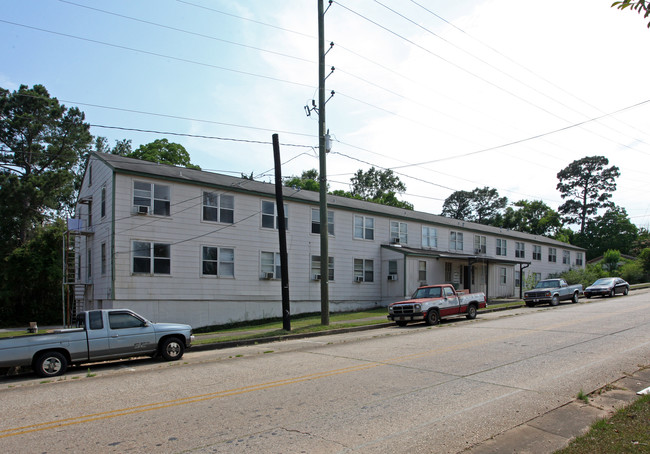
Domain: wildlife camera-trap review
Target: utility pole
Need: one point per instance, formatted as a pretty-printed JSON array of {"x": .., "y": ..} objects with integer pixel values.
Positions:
[{"x": 324, "y": 248}]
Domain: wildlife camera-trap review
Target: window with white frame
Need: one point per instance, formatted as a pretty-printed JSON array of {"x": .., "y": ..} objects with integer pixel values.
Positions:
[
  {"x": 270, "y": 216},
  {"x": 315, "y": 268},
  {"x": 520, "y": 250},
  {"x": 218, "y": 261},
  {"x": 503, "y": 276},
  {"x": 517, "y": 278},
  {"x": 480, "y": 244},
  {"x": 579, "y": 258},
  {"x": 218, "y": 207},
  {"x": 537, "y": 252},
  {"x": 398, "y": 232},
  {"x": 270, "y": 265},
  {"x": 156, "y": 197},
  {"x": 364, "y": 270},
  {"x": 392, "y": 267},
  {"x": 566, "y": 257},
  {"x": 456, "y": 241},
  {"x": 502, "y": 247},
  {"x": 364, "y": 228},
  {"x": 315, "y": 221},
  {"x": 429, "y": 237},
  {"x": 151, "y": 258},
  {"x": 552, "y": 254},
  {"x": 422, "y": 270}
]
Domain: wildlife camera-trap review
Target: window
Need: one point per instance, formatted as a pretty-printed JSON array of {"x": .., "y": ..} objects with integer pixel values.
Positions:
[
  {"x": 123, "y": 320},
  {"x": 364, "y": 228},
  {"x": 103, "y": 264},
  {"x": 270, "y": 264},
  {"x": 455, "y": 241},
  {"x": 364, "y": 270},
  {"x": 502, "y": 276},
  {"x": 90, "y": 213},
  {"x": 270, "y": 216},
  {"x": 422, "y": 270},
  {"x": 447, "y": 272},
  {"x": 520, "y": 250},
  {"x": 429, "y": 237},
  {"x": 156, "y": 197},
  {"x": 95, "y": 319},
  {"x": 90, "y": 175},
  {"x": 315, "y": 221},
  {"x": 392, "y": 267},
  {"x": 218, "y": 261},
  {"x": 398, "y": 232},
  {"x": 579, "y": 258},
  {"x": 517, "y": 278},
  {"x": 502, "y": 247},
  {"x": 103, "y": 202},
  {"x": 552, "y": 254},
  {"x": 151, "y": 258},
  {"x": 218, "y": 207},
  {"x": 480, "y": 244},
  {"x": 537, "y": 252},
  {"x": 566, "y": 257},
  {"x": 315, "y": 267}
]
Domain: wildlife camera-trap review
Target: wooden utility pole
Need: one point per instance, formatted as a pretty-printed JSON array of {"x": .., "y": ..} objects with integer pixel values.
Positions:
[
  {"x": 324, "y": 249},
  {"x": 282, "y": 232}
]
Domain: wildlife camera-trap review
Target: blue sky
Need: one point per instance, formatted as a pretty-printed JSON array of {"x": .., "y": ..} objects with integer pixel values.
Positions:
[{"x": 451, "y": 95}]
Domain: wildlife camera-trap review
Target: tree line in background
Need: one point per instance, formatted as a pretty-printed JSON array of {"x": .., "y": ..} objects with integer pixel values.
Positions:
[{"x": 44, "y": 150}]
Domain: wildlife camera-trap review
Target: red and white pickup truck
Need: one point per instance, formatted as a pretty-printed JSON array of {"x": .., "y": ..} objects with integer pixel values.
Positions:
[{"x": 432, "y": 302}]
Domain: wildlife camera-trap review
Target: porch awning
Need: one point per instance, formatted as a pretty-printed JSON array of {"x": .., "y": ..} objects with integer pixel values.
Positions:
[{"x": 474, "y": 258}]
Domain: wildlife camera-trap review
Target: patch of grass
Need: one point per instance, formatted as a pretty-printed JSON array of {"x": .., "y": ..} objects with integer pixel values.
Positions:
[
  {"x": 583, "y": 397},
  {"x": 627, "y": 431},
  {"x": 90, "y": 374},
  {"x": 45, "y": 381}
]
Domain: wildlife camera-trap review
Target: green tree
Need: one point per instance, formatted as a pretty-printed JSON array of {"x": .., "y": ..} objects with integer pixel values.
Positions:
[
  {"x": 164, "y": 152},
  {"x": 457, "y": 205},
  {"x": 612, "y": 230},
  {"x": 533, "y": 217},
  {"x": 31, "y": 276},
  {"x": 122, "y": 147},
  {"x": 482, "y": 205},
  {"x": 641, "y": 6},
  {"x": 588, "y": 185},
  {"x": 644, "y": 258},
  {"x": 42, "y": 145},
  {"x": 308, "y": 181},
  {"x": 611, "y": 259},
  {"x": 377, "y": 186}
]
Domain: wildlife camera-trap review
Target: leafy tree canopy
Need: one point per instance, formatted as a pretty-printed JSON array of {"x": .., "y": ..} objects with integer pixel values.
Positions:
[
  {"x": 42, "y": 145},
  {"x": 612, "y": 230},
  {"x": 308, "y": 181},
  {"x": 611, "y": 258},
  {"x": 482, "y": 205},
  {"x": 162, "y": 151},
  {"x": 588, "y": 184},
  {"x": 533, "y": 217},
  {"x": 640, "y": 6}
]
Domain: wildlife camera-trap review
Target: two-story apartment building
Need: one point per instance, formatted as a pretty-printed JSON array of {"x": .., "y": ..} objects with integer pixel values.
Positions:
[{"x": 202, "y": 248}]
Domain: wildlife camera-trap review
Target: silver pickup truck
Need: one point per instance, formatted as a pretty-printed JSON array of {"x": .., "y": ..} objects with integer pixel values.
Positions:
[
  {"x": 100, "y": 335},
  {"x": 552, "y": 291}
]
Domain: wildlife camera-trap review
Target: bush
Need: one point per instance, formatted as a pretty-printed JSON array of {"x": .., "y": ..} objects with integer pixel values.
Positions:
[{"x": 632, "y": 272}]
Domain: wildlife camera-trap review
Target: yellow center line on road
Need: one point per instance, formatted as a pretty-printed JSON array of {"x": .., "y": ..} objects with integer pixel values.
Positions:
[{"x": 274, "y": 384}]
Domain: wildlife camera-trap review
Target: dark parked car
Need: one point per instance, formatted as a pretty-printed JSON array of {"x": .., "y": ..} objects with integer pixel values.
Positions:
[{"x": 607, "y": 286}]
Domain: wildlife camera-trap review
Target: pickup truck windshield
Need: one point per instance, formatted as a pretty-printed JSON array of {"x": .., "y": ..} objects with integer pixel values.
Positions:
[
  {"x": 548, "y": 284},
  {"x": 432, "y": 292}
]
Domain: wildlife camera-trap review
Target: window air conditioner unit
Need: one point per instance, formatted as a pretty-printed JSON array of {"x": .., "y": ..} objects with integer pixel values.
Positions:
[
  {"x": 141, "y": 209},
  {"x": 392, "y": 277},
  {"x": 358, "y": 279},
  {"x": 268, "y": 275},
  {"x": 316, "y": 277},
  {"x": 477, "y": 251},
  {"x": 394, "y": 240}
]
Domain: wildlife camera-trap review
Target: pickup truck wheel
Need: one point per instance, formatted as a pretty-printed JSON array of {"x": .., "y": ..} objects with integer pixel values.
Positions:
[
  {"x": 575, "y": 297},
  {"x": 401, "y": 323},
  {"x": 432, "y": 318},
  {"x": 172, "y": 349},
  {"x": 555, "y": 300},
  {"x": 471, "y": 312},
  {"x": 50, "y": 364}
]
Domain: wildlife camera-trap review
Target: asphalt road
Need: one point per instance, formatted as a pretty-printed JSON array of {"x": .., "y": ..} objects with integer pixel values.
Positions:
[{"x": 417, "y": 389}]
